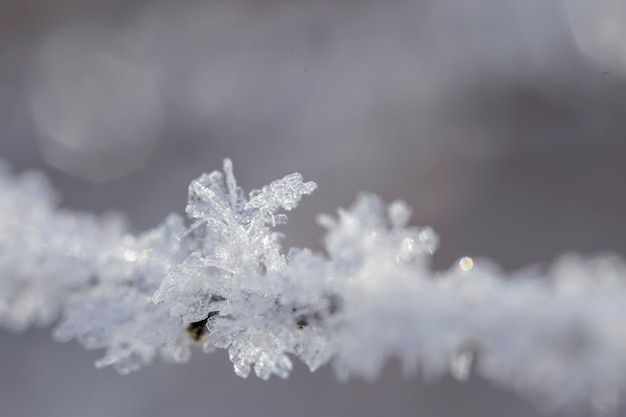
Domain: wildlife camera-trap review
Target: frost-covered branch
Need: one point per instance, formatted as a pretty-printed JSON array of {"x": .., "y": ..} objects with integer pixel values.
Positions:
[{"x": 219, "y": 279}]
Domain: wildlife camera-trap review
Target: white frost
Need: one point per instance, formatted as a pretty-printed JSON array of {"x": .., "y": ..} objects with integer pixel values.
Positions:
[{"x": 221, "y": 280}]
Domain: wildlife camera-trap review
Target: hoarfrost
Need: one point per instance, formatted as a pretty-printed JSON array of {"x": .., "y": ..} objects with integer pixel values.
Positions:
[{"x": 220, "y": 279}]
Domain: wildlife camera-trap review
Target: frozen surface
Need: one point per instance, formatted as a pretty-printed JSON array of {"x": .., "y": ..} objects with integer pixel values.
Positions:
[{"x": 220, "y": 279}]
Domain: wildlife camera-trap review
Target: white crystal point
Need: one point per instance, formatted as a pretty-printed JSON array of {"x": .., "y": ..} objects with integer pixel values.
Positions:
[
  {"x": 399, "y": 213},
  {"x": 284, "y": 193}
]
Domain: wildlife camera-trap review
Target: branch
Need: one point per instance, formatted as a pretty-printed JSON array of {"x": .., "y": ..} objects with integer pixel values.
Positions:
[{"x": 219, "y": 279}]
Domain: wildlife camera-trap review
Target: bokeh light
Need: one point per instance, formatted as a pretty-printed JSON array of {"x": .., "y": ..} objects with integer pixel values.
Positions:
[
  {"x": 466, "y": 264},
  {"x": 599, "y": 28},
  {"x": 97, "y": 111}
]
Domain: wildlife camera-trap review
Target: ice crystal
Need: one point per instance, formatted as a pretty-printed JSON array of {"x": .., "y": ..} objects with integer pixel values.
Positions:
[
  {"x": 220, "y": 279},
  {"x": 45, "y": 253}
]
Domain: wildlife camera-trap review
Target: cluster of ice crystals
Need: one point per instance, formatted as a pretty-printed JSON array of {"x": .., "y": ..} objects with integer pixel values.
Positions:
[
  {"x": 45, "y": 253},
  {"x": 220, "y": 279},
  {"x": 115, "y": 312},
  {"x": 236, "y": 273}
]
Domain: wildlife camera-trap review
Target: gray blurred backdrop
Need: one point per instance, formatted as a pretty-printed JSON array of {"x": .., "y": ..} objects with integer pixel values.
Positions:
[{"x": 500, "y": 121}]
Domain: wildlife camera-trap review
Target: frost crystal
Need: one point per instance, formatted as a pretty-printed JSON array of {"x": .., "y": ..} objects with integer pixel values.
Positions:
[{"x": 219, "y": 279}]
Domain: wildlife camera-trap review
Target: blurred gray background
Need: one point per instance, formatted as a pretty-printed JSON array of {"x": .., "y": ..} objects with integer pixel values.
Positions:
[{"x": 499, "y": 121}]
